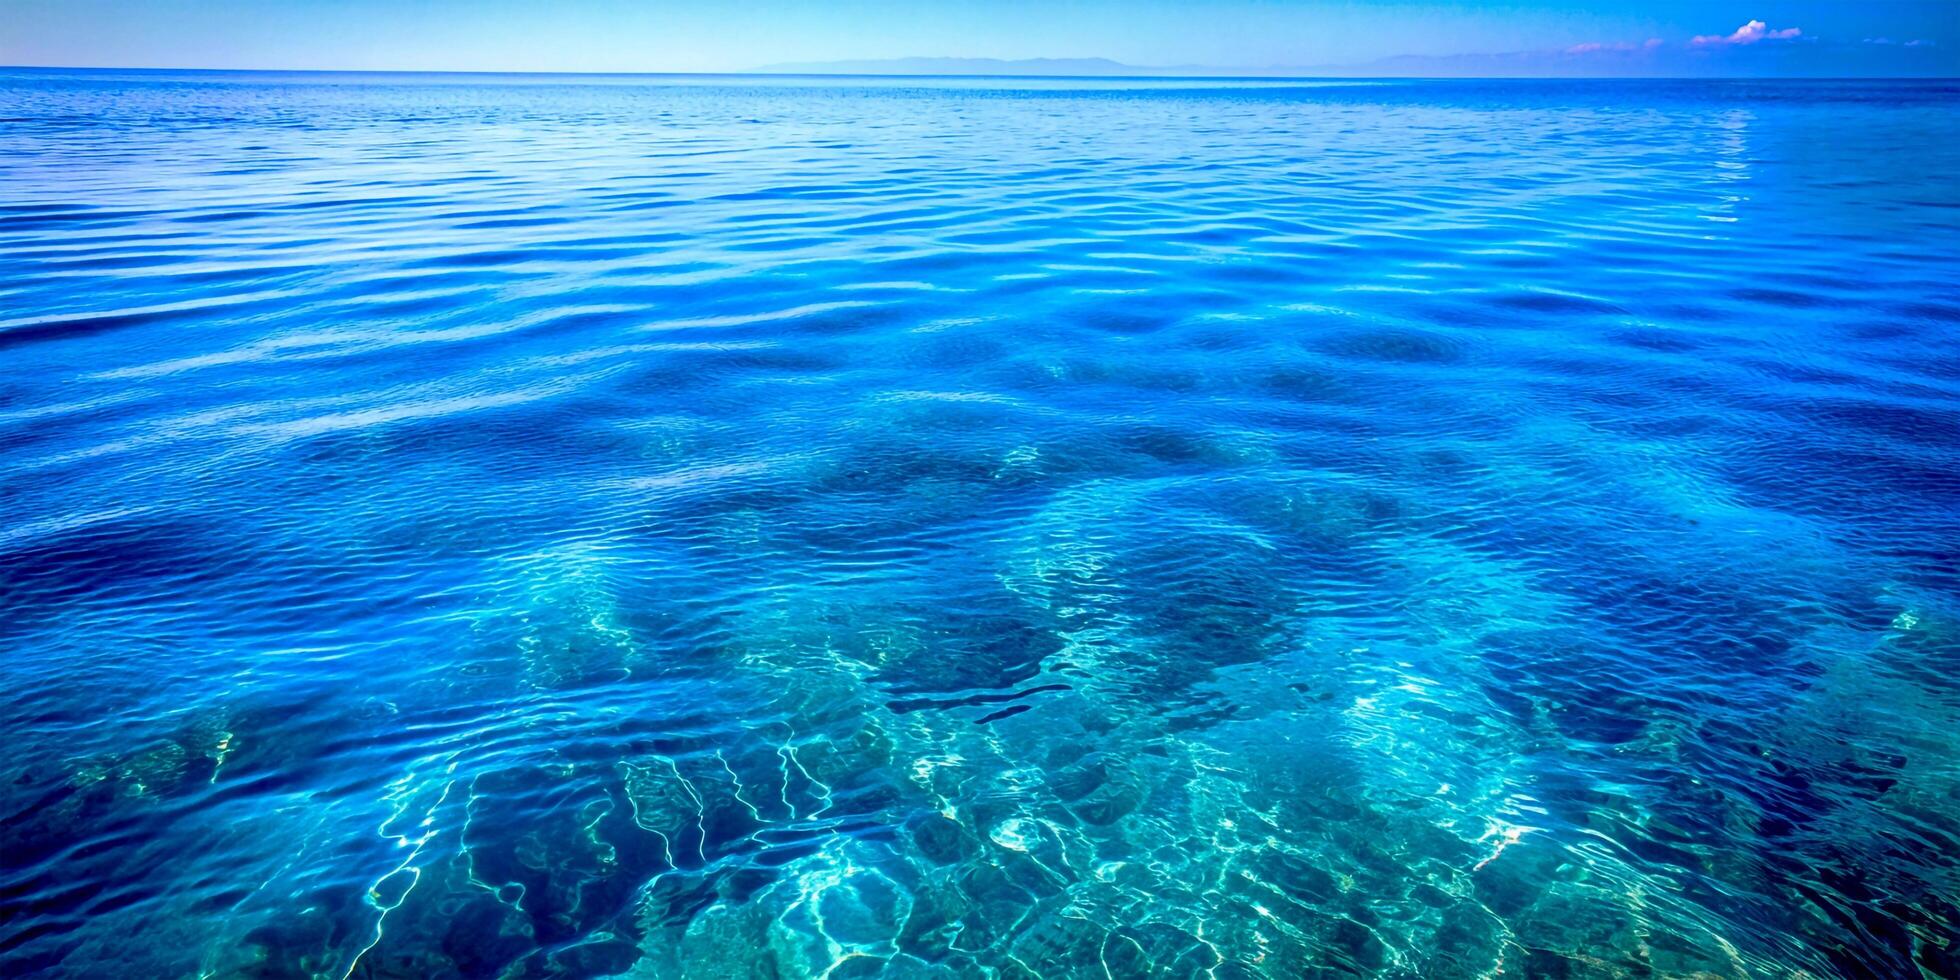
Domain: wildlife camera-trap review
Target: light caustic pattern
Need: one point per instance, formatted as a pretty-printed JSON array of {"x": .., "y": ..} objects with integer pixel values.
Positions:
[{"x": 465, "y": 527}]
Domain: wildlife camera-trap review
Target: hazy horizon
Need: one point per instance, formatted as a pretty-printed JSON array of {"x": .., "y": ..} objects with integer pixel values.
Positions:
[
  {"x": 1407, "y": 68},
  {"x": 1533, "y": 38}
]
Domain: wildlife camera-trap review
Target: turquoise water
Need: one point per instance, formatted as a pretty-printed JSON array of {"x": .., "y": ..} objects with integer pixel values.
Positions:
[{"x": 543, "y": 527}]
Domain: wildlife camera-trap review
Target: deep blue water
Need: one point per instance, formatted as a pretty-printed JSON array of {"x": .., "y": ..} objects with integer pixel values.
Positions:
[{"x": 540, "y": 527}]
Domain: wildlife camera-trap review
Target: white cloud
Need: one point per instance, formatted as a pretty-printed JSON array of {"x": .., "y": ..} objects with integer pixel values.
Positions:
[
  {"x": 1748, "y": 33},
  {"x": 1594, "y": 46}
]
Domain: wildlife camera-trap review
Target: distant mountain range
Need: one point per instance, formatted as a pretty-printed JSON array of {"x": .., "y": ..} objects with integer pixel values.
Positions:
[
  {"x": 1808, "y": 57},
  {"x": 971, "y": 66}
]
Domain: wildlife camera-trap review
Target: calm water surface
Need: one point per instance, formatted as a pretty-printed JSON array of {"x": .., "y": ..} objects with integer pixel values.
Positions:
[{"x": 504, "y": 527}]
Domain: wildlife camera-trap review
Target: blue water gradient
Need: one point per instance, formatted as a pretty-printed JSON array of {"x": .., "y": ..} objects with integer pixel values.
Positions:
[{"x": 487, "y": 527}]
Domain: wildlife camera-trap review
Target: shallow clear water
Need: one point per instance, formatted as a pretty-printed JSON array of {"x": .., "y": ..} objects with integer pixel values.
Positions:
[{"x": 518, "y": 527}]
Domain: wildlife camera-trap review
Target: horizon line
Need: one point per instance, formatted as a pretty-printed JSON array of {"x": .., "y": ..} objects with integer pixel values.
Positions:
[{"x": 764, "y": 73}]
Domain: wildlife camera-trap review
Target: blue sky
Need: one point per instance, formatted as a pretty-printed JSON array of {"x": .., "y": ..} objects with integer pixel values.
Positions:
[{"x": 1543, "y": 36}]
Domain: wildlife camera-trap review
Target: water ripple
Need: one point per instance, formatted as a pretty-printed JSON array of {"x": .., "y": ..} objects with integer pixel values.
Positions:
[{"x": 787, "y": 528}]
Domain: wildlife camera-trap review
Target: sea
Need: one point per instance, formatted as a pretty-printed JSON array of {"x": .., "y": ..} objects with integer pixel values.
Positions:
[{"x": 747, "y": 527}]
